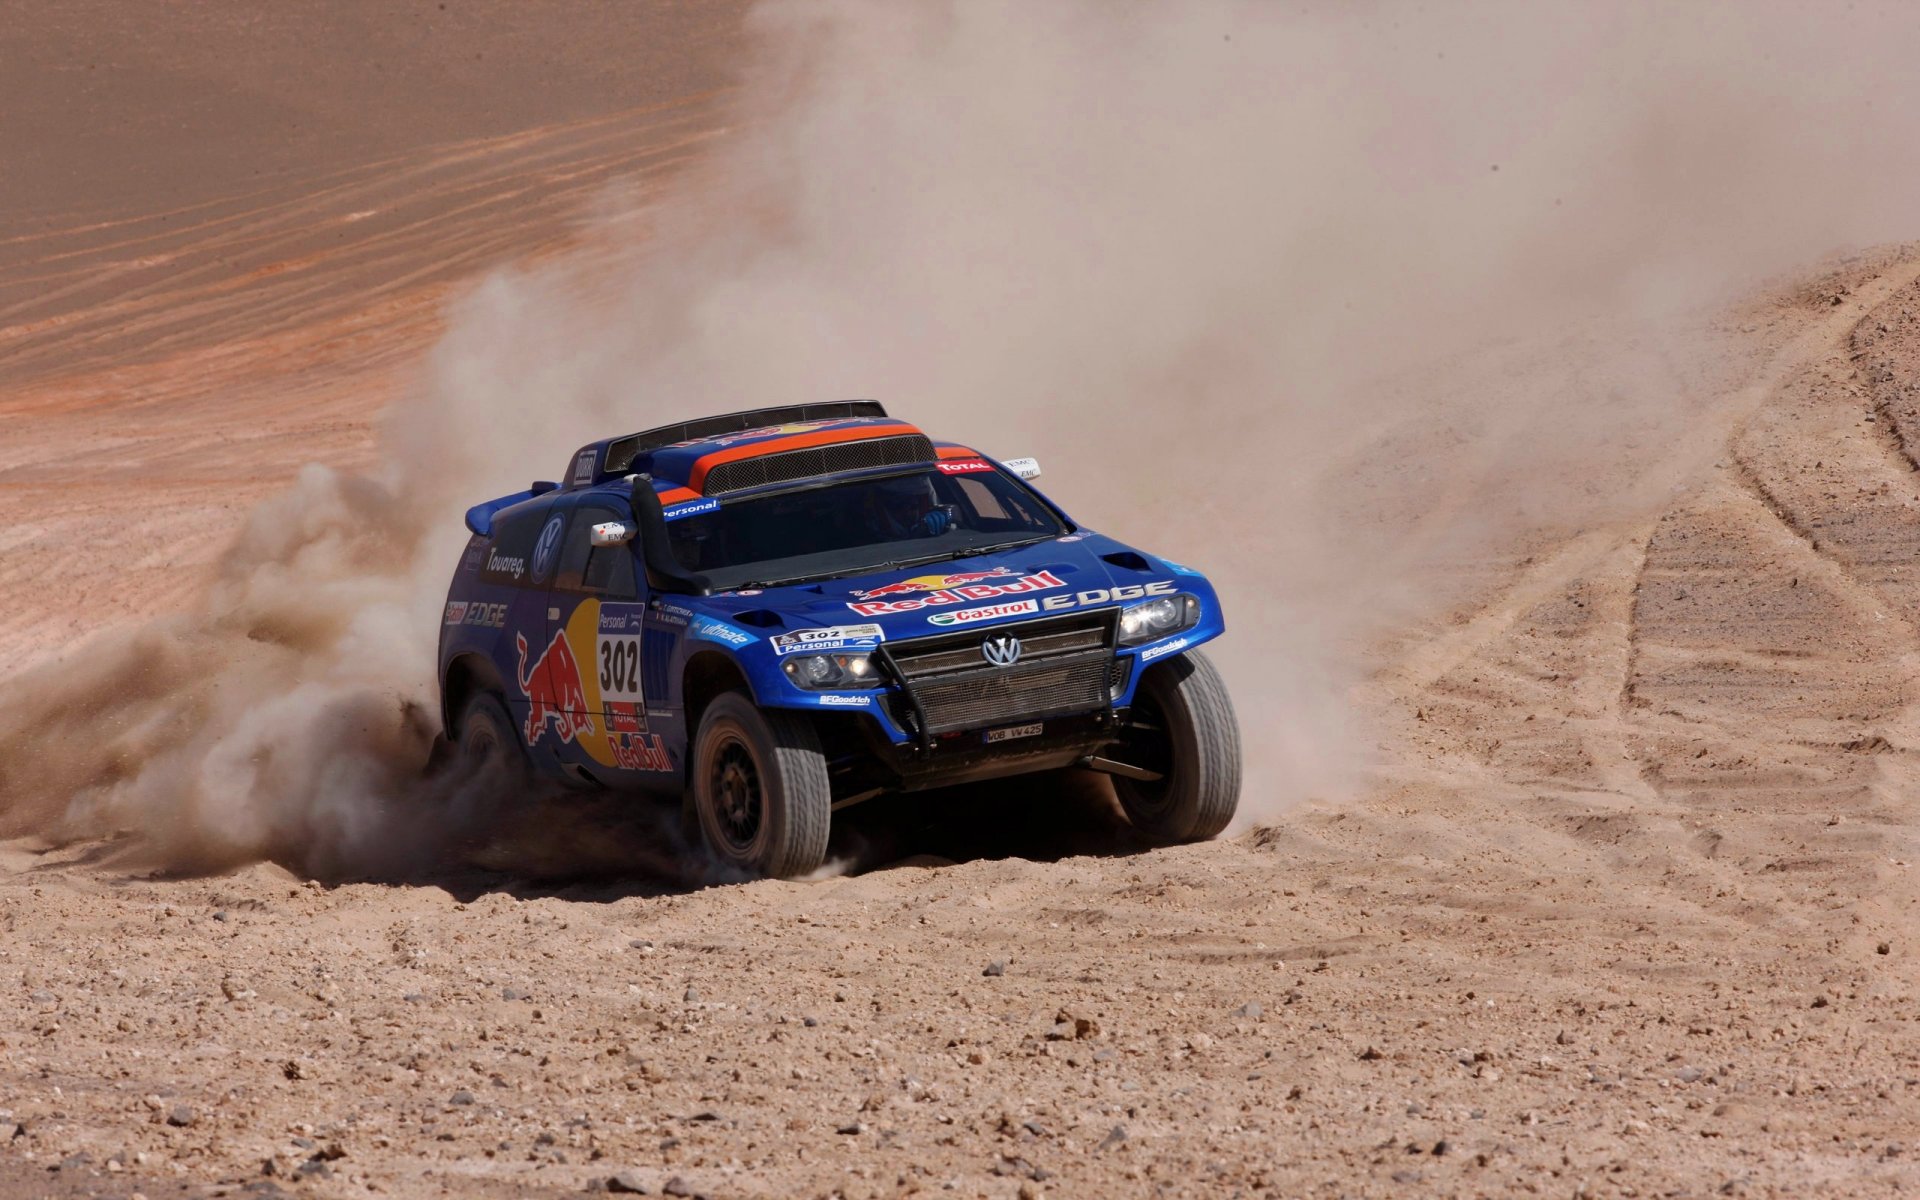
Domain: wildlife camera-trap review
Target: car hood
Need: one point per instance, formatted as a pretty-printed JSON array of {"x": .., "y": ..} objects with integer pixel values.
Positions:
[{"x": 982, "y": 589}]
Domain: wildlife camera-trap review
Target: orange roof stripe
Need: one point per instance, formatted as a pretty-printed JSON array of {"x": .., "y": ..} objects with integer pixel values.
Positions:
[{"x": 799, "y": 441}]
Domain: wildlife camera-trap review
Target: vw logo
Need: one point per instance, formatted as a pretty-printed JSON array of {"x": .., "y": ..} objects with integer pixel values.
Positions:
[
  {"x": 1001, "y": 651},
  {"x": 547, "y": 548}
]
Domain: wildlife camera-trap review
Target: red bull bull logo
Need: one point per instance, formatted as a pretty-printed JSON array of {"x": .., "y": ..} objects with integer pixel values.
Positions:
[
  {"x": 960, "y": 588},
  {"x": 554, "y": 691}
]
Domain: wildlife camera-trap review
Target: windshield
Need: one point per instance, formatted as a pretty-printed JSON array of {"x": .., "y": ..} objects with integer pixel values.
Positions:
[{"x": 864, "y": 525}]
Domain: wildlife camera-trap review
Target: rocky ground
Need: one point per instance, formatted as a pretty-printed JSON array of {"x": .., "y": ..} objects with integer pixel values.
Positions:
[{"x": 1627, "y": 910}]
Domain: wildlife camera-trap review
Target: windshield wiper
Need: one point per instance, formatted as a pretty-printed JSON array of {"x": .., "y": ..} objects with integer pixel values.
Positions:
[
  {"x": 762, "y": 585},
  {"x": 973, "y": 550}
]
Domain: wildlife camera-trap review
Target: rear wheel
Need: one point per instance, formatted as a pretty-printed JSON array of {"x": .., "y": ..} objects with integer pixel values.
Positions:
[
  {"x": 489, "y": 746},
  {"x": 759, "y": 788},
  {"x": 1183, "y": 730}
]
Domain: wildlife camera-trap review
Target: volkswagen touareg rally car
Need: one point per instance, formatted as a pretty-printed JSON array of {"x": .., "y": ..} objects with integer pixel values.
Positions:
[{"x": 780, "y": 613}]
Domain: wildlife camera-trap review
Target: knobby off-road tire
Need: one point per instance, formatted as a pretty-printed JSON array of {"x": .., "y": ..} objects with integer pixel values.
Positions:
[
  {"x": 1186, "y": 729},
  {"x": 488, "y": 746},
  {"x": 758, "y": 789}
]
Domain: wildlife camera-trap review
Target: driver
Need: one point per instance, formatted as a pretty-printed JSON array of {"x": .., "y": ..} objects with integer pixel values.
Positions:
[{"x": 906, "y": 507}]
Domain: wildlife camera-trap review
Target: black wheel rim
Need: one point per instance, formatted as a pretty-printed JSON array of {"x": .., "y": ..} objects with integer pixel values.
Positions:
[
  {"x": 736, "y": 795},
  {"x": 1148, "y": 744}
]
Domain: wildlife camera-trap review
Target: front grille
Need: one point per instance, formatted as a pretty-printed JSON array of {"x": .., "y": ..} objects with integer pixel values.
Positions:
[
  {"x": 1065, "y": 667},
  {"x": 818, "y": 460}
]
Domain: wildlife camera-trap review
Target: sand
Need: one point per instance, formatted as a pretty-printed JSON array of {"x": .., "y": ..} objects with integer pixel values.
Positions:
[{"x": 1626, "y": 910}]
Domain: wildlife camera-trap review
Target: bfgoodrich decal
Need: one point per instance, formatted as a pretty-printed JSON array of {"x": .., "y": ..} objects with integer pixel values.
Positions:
[{"x": 1163, "y": 648}]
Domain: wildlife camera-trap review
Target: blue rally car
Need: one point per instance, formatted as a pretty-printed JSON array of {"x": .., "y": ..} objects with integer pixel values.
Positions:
[{"x": 781, "y": 613}]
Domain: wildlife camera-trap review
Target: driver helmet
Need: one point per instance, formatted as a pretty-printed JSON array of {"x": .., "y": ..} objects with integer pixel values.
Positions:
[{"x": 907, "y": 497}]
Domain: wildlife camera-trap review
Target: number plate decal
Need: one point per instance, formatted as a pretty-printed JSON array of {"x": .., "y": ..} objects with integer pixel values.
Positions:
[
  {"x": 1013, "y": 731},
  {"x": 617, "y": 654}
]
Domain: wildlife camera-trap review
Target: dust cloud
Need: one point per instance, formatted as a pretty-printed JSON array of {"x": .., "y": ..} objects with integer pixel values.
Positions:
[{"x": 1311, "y": 297}]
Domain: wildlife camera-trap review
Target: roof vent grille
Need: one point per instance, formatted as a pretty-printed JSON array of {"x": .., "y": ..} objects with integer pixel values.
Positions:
[{"x": 862, "y": 455}]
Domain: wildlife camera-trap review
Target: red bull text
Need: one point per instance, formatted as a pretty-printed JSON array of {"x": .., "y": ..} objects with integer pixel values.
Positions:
[{"x": 951, "y": 589}]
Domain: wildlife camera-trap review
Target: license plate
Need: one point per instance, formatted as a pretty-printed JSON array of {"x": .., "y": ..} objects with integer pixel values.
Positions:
[{"x": 1014, "y": 731}]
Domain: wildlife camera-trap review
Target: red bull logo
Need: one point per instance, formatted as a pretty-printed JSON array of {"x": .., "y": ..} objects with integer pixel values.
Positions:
[
  {"x": 951, "y": 589},
  {"x": 932, "y": 583},
  {"x": 554, "y": 691}
]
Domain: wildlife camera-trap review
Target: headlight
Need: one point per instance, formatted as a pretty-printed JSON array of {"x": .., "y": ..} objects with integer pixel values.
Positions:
[
  {"x": 827, "y": 672},
  {"x": 1151, "y": 620}
]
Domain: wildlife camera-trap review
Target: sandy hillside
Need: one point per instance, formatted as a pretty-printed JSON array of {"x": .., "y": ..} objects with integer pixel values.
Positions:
[{"x": 1627, "y": 910}]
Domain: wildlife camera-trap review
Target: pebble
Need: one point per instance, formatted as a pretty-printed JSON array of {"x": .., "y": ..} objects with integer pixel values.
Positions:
[
  {"x": 180, "y": 1116},
  {"x": 463, "y": 1096},
  {"x": 221, "y": 915},
  {"x": 996, "y": 967},
  {"x": 630, "y": 1182},
  {"x": 677, "y": 1187},
  {"x": 640, "y": 944},
  {"x": 513, "y": 994},
  {"x": 809, "y": 1022},
  {"x": 1688, "y": 1074},
  {"x": 852, "y": 1127},
  {"x": 1114, "y": 1137},
  {"x": 692, "y": 996},
  {"x": 1251, "y": 1010},
  {"x": 42, "y": 997}
]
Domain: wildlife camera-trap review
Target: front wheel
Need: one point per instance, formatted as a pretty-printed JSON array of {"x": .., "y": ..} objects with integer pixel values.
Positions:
[
  {"x": 759, "y": 789},
  {"x": 1183, "y": 730}
]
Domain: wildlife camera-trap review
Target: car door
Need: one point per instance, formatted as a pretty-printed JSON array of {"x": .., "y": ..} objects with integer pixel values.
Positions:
[
  {"x": 518, "y": 565},
  {"x": 596, "y": 603}
]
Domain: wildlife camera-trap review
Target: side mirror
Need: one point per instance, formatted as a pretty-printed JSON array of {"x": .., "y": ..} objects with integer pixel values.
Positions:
[
  {"x": 613, "y": 533},
  {"x": 1025, "y": 468}
]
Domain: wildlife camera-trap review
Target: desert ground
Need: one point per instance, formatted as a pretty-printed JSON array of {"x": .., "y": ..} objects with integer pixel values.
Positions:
[{"x": 1627, "y": 907}]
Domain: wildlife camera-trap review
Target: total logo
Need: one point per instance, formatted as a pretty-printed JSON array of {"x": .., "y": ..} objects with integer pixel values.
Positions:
[
  {"x": 943, "y": 590},
  {"x": 963, "y": 466}
]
